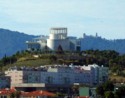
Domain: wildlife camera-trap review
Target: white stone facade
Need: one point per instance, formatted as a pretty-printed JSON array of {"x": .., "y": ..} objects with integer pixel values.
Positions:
[
  {"x": 58, "y": 37},
  {"x": 37, "y": 43}
]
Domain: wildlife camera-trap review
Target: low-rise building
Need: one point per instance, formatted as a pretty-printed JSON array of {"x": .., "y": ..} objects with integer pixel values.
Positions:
[
  {"x": 37, "y": 43},
  {"x": 58, "y": 75}
]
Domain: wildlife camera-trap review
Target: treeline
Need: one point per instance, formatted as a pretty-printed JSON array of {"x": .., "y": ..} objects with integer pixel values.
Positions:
[
  {"x": 108, "y": 90},
  {"x": 12, "y": 59},
  {"x": 7, "y": 60},
  {"x": 109, "y": 58}
]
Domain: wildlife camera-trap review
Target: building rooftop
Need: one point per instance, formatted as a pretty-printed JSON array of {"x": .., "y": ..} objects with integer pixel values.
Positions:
[
  {"x": 58, "y": 28},
  {"x": 38, "y": 93},
  {"x": 8, "y": 91},
  {"x": 56, "y": 68}
]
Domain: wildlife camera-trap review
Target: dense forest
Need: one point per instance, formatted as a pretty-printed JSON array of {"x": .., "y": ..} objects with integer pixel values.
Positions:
[{"x": 106, "y": 90}]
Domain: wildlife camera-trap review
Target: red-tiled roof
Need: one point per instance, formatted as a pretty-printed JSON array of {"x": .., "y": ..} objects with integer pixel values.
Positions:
[
  {"x": 84, "y": 97},
  {"x": 34, "y": 93},
  {"x": 7, "y": 91},
  {"x": 37, "y": 93}
]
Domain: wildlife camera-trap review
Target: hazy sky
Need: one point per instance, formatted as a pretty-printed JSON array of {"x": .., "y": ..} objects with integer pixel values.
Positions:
[{"x": 107, "y": 17}]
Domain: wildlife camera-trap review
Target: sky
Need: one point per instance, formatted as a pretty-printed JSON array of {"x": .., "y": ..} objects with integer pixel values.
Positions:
[{"x": 36, "y": 17}]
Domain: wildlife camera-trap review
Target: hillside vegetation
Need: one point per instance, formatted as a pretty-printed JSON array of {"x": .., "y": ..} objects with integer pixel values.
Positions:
[{"x": 108, "y": 58}]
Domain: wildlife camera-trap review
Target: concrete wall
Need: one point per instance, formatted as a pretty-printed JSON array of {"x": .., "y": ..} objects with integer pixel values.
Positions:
[{"x": 54, "y": 44}]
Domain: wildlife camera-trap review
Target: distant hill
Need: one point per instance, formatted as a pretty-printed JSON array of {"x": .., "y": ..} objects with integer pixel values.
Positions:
[
  {"x": 12, "y": 41},
  {"x": 92, "y": 42}
]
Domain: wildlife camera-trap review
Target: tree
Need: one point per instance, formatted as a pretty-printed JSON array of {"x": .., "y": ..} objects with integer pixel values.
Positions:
[
  {"x": 108, "y": 86},
  {"x": 53, "y": 58},
  {"x": 121, "y": 91},
  {"x": 60, "y": 50},
  {"x": 46, "y": 49},
  {"x": 12, "y": 95},
  {"x": 4, "y": 60},
  {"x": 15, "y": 94},
  {"x": 100, "y": 90},
  {"x": 116, "y": 96},
  {"x": 109, "y": 94}
]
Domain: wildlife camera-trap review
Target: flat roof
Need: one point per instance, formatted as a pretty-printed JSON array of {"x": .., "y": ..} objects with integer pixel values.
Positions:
[
  {"x": 58, "y": 28},
  {"x": 28, "y": 85}
]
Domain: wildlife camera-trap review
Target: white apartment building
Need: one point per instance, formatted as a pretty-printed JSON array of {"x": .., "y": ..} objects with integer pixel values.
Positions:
[
  {"x": 58, "y": 75},
  {"x": 37, "y": 43}
]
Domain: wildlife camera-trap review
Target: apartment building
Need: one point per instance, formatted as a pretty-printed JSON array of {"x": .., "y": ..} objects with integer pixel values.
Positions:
[{"x": 59, "y": 75}]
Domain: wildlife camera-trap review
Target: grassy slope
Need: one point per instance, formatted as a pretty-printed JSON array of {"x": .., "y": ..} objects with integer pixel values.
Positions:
[
  {"x": 29, "y": 60},
  {"x": 32, "y": 63}
]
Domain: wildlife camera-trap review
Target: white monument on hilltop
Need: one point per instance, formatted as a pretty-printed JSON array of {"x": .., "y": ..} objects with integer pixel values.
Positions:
[{"x": 58, "y": 37}]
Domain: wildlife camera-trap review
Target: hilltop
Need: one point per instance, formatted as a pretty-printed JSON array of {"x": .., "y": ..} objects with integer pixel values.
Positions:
[
  {"x": 96, "y": 42},
  {"x": 106, "y": 58},
  {"x": 13, "y": 41}
]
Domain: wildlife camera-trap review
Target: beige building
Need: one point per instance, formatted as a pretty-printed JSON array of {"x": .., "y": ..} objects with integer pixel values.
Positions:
[
  {"x": 24, "y": 78},
  {"x": 16, "y": 76},
  {"x": 61, "y": 75}
]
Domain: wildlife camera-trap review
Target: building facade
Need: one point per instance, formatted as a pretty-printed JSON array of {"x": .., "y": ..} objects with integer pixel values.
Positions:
[
  {"x": 57, "y": 37},
  {"x": 58, "y": 75},
  {"x": 4, "y": 82},
  {"x": 37, "y": 43}
]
